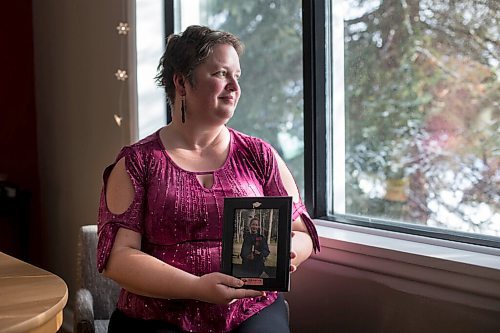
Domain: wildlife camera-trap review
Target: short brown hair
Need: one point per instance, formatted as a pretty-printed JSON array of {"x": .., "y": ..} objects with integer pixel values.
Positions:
[{"x": 187, "y": 50}]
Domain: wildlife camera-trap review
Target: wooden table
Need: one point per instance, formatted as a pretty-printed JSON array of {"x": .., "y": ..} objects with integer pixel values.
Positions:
[{"x": 31, "y": 299}]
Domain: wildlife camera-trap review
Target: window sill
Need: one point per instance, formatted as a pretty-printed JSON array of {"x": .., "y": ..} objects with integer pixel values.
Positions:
[{"x": 457, "y": 267}]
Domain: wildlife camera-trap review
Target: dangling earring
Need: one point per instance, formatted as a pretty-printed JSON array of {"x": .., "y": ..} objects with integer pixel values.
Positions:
[{"x": 183, "y": 109}]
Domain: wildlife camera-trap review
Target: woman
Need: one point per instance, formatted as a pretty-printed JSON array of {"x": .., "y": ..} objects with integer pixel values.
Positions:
[
  {"x": 160, "y": 216},
  {"x": 254, "y": 250}
]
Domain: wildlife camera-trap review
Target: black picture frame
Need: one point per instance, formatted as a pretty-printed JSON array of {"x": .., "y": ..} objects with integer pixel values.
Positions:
[{"x": 260, "y": 258}]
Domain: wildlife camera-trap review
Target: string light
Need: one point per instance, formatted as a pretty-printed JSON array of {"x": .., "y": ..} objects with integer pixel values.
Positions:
[
  {"x": 121, "y": 74},
  {"x": 118, "y": 120},
  {"x": 123, "y": 28}
]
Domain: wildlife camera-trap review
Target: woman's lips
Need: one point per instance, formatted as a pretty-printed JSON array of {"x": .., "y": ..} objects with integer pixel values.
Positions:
[{"x": 229, "y": 99}]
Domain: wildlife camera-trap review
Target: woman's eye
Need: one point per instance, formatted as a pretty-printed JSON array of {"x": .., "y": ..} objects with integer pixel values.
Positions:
[{"x": 224, "y": 74}]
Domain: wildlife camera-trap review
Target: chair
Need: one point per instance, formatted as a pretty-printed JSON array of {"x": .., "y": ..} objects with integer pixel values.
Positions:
[{"x": 96, "y": 295}]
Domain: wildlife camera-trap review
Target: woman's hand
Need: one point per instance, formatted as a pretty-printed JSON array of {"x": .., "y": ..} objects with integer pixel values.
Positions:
[
  {"x": 300, "y": 248},
  {"x": 219, "y": 288},
  {"x": 293, "y": 255}
]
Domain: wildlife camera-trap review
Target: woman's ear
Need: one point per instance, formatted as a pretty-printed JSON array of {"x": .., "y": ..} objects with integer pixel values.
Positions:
[{"x": 179, "y": 83}]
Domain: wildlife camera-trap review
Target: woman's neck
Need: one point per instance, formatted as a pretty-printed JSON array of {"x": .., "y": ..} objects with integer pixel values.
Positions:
[{"x": 192, "y": 137}]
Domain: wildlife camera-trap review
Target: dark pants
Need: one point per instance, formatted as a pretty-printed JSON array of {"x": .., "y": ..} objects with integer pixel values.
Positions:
[
  {"x": 273, "y": 319},
  {"x": 253, "y": 268}
]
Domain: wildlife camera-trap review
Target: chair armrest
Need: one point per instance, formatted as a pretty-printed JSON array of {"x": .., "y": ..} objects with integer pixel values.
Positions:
[
  {"x": 287, "y": 310},
  {"x": 83, "y": 320}
]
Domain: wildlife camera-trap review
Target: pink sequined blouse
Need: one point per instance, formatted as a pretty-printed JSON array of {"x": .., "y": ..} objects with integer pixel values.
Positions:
[{"x": 181, "y": 224}]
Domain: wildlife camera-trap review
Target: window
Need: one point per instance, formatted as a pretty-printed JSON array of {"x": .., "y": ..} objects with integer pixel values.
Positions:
[
  {"x": 271, "y": 103},
  {"x": 149, "y": 43},
  {"x": 386, "y": 111},
  {"x": 412, "y": 116}
]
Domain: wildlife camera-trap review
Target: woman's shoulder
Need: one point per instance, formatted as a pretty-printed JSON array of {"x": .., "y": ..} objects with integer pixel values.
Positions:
[
  {"x": 249, "y": 141},
  {"x": 150, "y": 141},
  {"x": 144, "y": 146}
]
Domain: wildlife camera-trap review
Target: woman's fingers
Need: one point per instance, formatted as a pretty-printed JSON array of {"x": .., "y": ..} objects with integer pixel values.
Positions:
[
  {"x": 293, "y": 267},
  {"x": 244, "y": 293},
  {"x": 230, "y": 281}
]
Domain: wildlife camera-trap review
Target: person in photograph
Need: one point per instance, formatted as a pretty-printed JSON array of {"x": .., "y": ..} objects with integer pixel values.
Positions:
[
  {"x": 254, "y": 250},
  {"x": 161, "y": 209}
]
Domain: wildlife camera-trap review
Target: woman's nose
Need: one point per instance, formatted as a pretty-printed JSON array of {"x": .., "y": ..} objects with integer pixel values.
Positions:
[{"x": 232, "y": 85}]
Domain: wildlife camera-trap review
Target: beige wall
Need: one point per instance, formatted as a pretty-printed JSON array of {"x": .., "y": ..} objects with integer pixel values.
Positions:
[{"x": 77, "y": 51}]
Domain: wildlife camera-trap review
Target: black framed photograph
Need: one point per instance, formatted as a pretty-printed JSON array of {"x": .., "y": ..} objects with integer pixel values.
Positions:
[{"x": 256, "y": 241}]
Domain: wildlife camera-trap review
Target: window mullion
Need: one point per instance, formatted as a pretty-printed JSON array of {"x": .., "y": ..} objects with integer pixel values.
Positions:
[{"x": 314, "y": 106}]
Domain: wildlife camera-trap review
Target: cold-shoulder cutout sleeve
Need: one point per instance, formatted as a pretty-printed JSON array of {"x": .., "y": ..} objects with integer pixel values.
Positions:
[
  {"x": 108, "y": 223},
  {"x": 274, "y": 187},
  {"x": 299, "y": 210}
]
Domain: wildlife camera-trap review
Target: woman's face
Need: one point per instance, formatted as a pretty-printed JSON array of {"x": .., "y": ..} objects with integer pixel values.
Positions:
[
  {"x": 215, "y": 91},
  {"x": 254, "y": 226}
]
